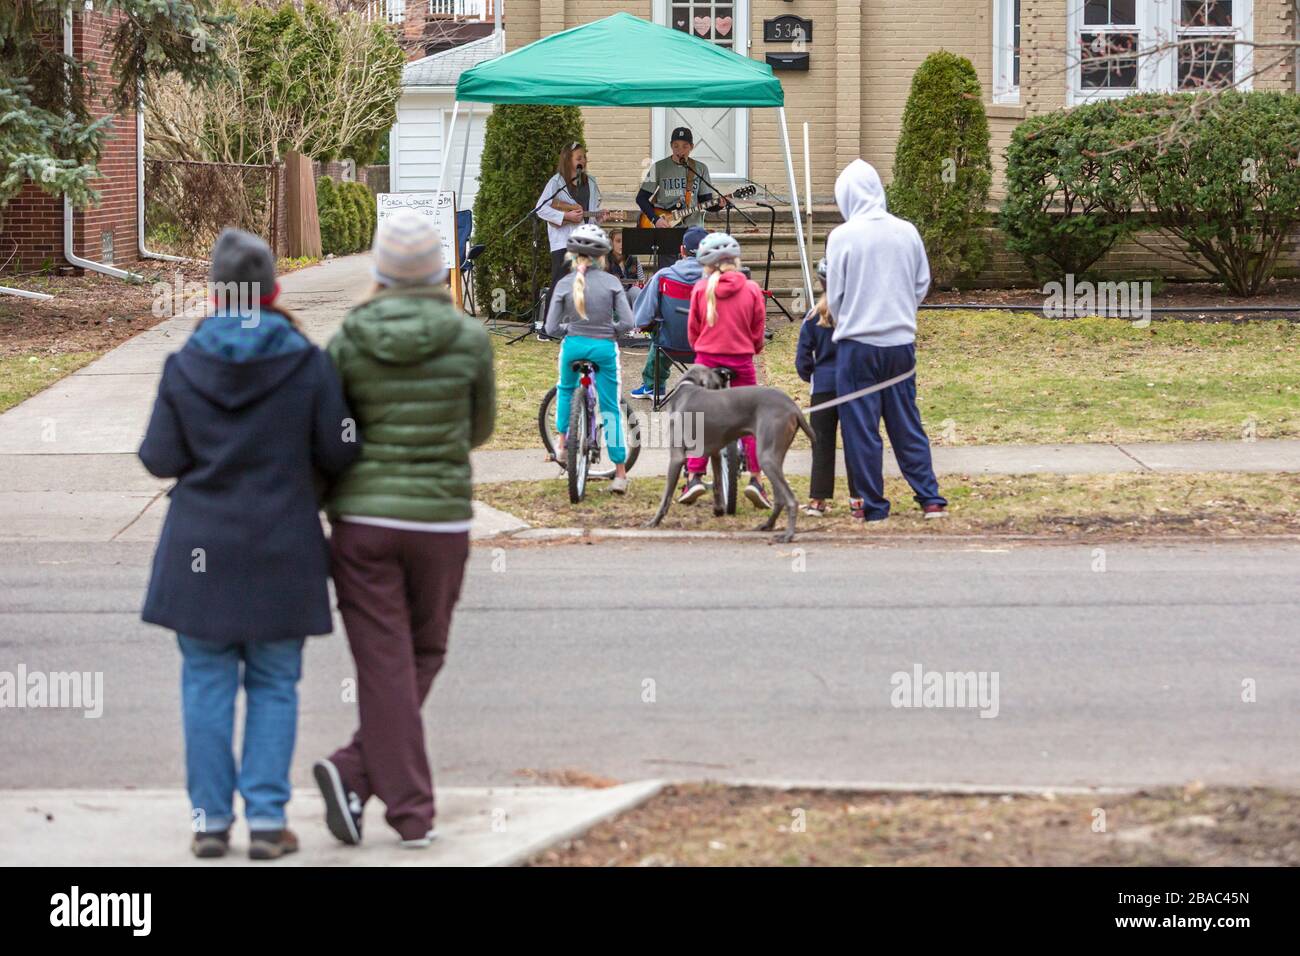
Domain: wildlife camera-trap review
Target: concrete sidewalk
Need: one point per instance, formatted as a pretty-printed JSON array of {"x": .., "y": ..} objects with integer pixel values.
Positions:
[
  {"x": 1071, "y": 459},
  {"x": 477, "y": 826},
  {"x": 68, "y": 454}
]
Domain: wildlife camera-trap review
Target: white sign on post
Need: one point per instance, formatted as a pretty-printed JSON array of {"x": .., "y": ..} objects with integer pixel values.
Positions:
[{"x": 441, "y": 207}]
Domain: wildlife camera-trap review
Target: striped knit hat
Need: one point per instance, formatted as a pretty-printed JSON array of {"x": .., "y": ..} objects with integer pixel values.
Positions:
[{"x": 408, "y": 251}]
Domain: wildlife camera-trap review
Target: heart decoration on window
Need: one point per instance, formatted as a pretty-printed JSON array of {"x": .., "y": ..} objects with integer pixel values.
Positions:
[
  {"x": 702, "y": 25},
  {"x": 723, "y": 26}
]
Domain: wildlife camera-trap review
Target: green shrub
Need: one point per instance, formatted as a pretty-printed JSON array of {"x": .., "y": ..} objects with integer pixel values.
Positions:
[
  {"x": 363, "y": 203},
  {"x": 1219, "y": 172},
  {"x": 942, "y": 169},
  {"x": 328, "y": 210},
  {"x": 1067, "y": 202},
  {"x": 520, "y": 146}
]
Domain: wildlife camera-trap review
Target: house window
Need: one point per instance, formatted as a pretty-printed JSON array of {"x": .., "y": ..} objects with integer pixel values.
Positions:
[
  {"x": 1125, "y": 46},
  {"x": 1206, "y": 53},
  {"x": 705, "y": 19},
  {"x": 1006, "y": 51},
  {"x": 1108, "y": 45}
]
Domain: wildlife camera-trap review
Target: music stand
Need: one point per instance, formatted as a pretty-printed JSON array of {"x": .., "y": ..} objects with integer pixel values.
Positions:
[{"x": 655, "y": 242}]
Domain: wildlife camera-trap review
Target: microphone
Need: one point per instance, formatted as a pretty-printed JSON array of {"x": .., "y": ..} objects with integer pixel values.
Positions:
[{"x": 581, "y": 175}]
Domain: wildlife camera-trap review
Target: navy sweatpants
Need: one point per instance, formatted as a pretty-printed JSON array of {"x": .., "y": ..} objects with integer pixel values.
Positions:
[{"x": 859, "y": 365}]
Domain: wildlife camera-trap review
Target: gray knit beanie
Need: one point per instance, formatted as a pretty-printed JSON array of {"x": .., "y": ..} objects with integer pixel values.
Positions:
[
  {"x": 242, "y": 257},
  {"x": 408, "y": 250}
]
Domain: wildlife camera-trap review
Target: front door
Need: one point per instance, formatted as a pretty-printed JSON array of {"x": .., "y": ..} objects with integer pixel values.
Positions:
[{"x": 721, "y": 135}]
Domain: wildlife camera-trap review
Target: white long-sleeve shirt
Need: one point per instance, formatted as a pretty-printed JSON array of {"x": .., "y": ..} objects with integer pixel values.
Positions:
[
  {"x": 557, "y": 229},
  {"x": 877, "y": 272}
]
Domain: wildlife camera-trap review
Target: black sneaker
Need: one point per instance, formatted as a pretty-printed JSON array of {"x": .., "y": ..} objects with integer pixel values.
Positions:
[
  {"x": 693, "y": 491},
  {"x": 342, "y": 807},
  {"x": 271, "y": 844},
  {"x": 210, "y": 846},
  {"x": 756, "y": 495}
]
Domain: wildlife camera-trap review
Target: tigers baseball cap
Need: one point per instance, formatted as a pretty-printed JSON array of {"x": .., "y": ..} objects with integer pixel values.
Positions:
[
  {"x": 691, "y": 238},
  {"x": 682, "y": 133}
]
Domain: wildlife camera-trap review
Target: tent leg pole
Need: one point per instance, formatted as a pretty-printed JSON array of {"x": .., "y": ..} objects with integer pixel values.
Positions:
[
  {"x": 794, "y": 205},
  {"x": 464, "y": 153},
  {"x": 446, "y": 145}
]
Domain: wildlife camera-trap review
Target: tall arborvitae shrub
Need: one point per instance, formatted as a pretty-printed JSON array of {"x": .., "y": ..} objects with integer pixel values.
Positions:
[
  {"x": 333, "y": 229},
  {"x": 520, "y": 147},
  {"x": 942, "y": 170}
]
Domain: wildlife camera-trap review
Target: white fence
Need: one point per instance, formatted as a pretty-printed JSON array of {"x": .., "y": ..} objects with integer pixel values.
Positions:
[{"x": 394, "y": 11}]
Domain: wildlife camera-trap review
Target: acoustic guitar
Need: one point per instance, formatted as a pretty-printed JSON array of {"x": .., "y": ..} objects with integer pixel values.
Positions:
[{"x": 676, "y": 214}]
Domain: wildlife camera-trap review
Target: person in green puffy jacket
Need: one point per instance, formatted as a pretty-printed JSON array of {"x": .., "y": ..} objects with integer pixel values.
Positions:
[{"x": 419, "y": 378}]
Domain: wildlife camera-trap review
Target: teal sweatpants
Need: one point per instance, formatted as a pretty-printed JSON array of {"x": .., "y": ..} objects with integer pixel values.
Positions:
[{"x": 603, "y": 353}]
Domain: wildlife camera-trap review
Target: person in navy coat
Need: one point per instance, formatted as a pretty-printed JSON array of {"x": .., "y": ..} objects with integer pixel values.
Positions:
[{"x": 250, "y": 417}]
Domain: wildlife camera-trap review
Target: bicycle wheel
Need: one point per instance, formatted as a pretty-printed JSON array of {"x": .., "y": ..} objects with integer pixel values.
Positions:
[
  {"x": 730, "y": 460},
  {"x": 546, "y": 428},
  {"x": 546, "y": 423},
  {"x": 576, "y": 454}
]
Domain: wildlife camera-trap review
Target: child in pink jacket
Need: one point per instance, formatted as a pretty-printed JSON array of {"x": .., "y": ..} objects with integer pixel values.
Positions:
[{"x": 725, "y": 328}]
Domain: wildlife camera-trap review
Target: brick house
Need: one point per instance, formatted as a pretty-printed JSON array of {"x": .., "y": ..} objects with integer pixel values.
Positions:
[
  {"x": 31, "y": 225},
  {"x": 861, "y": 58},
  {"x": 862, "y": 54}
]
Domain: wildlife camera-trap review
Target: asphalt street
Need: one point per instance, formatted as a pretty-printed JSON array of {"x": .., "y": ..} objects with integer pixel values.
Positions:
[{"x": 741, "y": 660}]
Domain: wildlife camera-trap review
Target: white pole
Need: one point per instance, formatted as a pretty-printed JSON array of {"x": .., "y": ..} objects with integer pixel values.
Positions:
[
  {"x": 446, "y": 145},
  {"x": 24, "y": 293},
  {"x": 794, "y": 205},
  {"x": 807, "y": 183},
  {"x": 464, "y": 153}
]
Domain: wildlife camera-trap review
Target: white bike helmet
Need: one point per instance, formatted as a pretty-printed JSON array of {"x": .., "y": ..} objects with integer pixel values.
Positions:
[
  {"x": 588, "y": 239},
  {"x": 715, "y": 246},
  {"x": 821, "y": 268}
]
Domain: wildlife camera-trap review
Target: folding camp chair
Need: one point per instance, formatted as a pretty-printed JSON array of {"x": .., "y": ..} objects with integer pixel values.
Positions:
[{"x": 670, "y": 333}]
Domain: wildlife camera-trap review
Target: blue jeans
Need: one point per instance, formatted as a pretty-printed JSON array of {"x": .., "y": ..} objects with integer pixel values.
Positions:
[
  {"x": 210, "y": 678},
  {"x": 603, "y": 353},
  {"x": 858, "y": 365}
]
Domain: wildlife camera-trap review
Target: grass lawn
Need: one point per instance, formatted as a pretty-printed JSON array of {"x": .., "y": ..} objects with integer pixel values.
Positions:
[
  {"x": 713, "y": 825},
  {"x": 1018, "y": 378},
  {"x": 990, "y": 377},
  {"x": 22, "y": 376},
  {"x": 1064, "y": 505}
]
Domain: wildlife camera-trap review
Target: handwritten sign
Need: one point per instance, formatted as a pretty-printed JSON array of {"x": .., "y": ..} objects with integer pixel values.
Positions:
[{"x": 441, "y": 208}]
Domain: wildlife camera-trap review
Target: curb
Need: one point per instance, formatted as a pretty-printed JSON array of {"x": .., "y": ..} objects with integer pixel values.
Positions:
[
  {"x": 938, "y": 789},
  {"x": 865, "y": 538},
  {"x": 639, "y": 793}
]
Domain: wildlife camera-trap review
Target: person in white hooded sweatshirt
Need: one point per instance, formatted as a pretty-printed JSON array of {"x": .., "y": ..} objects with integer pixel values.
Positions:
[{"x": 877, "y": 274}]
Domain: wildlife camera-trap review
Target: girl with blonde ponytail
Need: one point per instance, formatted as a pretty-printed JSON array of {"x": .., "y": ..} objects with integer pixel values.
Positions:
[
  {"x": 590, "y": 310},
  {"x": 726, "y": 328}
]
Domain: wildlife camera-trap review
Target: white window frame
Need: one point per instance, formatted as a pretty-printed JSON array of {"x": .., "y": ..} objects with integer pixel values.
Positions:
[
  {"x": 659, "y": 145},
  {"x": 1157, "y": 24},
  {"x": 1005, "y": 87}
]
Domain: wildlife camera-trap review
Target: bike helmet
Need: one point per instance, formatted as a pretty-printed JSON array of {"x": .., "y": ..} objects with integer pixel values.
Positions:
[
  {"x": 588, "y": 239},
  {"x": 821, "y": 268},
  {"x": 715, "y": 246}
]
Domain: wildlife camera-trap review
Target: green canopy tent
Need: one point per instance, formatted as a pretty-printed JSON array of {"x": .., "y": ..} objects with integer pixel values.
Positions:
[{"x": 623, "y": 60}]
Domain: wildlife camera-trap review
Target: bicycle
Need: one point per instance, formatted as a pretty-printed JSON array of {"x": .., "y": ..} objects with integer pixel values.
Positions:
[{"x": 582, "y": 448}]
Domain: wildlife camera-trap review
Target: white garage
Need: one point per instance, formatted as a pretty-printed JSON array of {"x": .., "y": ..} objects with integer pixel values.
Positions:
[{"x": 415, "y": 143}]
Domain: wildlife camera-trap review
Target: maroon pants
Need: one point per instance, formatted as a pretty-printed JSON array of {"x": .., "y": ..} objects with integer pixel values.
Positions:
[{"x": 396, "y": 591}]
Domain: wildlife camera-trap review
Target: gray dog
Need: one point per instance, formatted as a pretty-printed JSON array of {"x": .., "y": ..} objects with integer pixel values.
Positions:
[{"x": 707, "y": 416}]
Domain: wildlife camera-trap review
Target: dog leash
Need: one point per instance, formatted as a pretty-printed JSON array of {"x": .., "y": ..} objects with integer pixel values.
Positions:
[{"x": 878, "y": 387}]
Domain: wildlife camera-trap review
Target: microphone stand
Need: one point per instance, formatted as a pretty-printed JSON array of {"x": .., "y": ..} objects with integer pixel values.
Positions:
[
  {"x": 771, "y": 233},
  {"x": 533, "y": 308}
]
